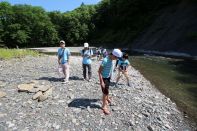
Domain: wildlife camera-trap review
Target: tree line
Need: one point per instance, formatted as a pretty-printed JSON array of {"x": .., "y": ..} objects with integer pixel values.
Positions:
[{"x": 110, "y": 21}]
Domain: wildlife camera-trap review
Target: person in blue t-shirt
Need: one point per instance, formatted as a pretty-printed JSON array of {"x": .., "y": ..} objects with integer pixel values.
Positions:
[
  {"x": 105, "y": 71},
  {"x": 63, "y": 60},
  {"x": 123, "y": 65},
  {"x": 87, "y": 54}
]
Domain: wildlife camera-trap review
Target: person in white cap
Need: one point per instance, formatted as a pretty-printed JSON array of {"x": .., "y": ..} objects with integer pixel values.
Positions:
[
  {"x": 63, "y": 60},
  {"x": 105, "y": 71},
  {"x": 87, "y": 54}
]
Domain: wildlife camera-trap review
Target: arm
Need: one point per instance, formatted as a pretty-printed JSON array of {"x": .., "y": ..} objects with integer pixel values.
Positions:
[
  {"x": 58, "y": 58},
  {"x": 100, "y": 77},
  {"x": 68, "y": 56}
]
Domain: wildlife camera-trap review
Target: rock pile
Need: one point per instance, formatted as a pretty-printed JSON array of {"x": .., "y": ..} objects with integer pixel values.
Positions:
[{"x": 41, "y": 92}]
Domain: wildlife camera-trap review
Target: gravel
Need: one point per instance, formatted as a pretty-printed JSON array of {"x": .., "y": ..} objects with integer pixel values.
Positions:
[{"x": 77, "y": 104}]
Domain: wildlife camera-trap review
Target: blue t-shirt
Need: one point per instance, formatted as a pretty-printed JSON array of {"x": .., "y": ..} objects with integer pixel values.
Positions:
[
  {"x": 123, "y": 64},
  {"x": 107, "y": 67},
  {"x": 86, "y": 56},
  {"x": 64, "y": 54}
]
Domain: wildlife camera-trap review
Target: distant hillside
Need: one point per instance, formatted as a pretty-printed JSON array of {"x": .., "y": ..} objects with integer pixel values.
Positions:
[{"x": 175, "y": 30}]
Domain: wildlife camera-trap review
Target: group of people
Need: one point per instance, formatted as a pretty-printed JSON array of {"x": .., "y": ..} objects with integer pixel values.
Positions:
[{"x": 104, "y": 72}]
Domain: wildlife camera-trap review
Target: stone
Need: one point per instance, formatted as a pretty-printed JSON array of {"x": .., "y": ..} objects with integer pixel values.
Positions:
[
  {"x": 44, "y": 88},
  {"x": 45, "y": 95},
  {"x": 33, "y": 90},
  {"x": 25, "y": 87},
  {"x": 42, "y": 98},
  {"x": 2, "y": 84},
  {"x": 150, "y": 128},
  {"x": 116, "y": 109},
  {"x": 89, "y": 109},
  {"x": 10, "y": 124},
  {"x": 37, "y": 95},
  {"x": 2, "y": 115},
  {"x": 71, "y": 96},
  {"x": 2, "y": 94},
  {"x": 77, "y": 110},
  {"x": 74, "y": 121}
]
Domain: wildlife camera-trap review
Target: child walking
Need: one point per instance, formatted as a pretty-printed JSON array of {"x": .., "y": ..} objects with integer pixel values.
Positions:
[
  {"x": 63, "y": 60},
  {"x": 104, "y": 72},
  {"x": 123, "y": 65}
]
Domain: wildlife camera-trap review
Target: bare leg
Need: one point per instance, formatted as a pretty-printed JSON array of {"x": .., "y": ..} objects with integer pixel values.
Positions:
[
  {"x": 127, "y": 77},
  {"x": 119, "y": 76},
  {"x": 104, "y": 106}
]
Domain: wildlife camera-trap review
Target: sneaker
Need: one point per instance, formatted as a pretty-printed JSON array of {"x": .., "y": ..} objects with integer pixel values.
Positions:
[
  {"x": 116, "y": 85},
  {"x": 65, "y": 81},
  {"x": 89, "y": 80},
  {"x": 129, "y": 84}
]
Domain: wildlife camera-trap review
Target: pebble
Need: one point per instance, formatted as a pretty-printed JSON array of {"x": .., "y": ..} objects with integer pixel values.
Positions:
[
  {"x": 89, "y": 109},
  {"x": 77, "y": 105}
]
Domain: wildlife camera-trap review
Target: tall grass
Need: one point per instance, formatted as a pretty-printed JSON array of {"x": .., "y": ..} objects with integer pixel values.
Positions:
[{"x": 16, "y": 53}]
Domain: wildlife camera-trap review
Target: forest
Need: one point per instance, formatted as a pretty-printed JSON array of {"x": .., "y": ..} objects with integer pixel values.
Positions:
[{"x": 110, "y": 22}]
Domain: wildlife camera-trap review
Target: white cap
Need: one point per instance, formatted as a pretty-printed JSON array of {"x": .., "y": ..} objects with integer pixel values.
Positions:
[
  {"x": 62, "y": 41},
  {"x": 117, "y": 53},
  {"x": 86, "y": 45}
]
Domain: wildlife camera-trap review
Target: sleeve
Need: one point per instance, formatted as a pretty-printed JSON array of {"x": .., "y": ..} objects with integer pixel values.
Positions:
[{"x": 128, "y": 63}]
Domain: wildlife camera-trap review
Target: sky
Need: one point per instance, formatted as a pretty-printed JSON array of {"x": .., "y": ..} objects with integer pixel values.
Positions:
[{"x": 54, "y": 5}]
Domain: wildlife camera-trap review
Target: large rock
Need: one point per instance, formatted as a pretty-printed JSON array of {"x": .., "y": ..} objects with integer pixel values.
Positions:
[
  {"x": 45, "y": 95},
  {"x": 42, "y": 87},
  {"x": 38, "y": 94},
  {"x": 2, "y": 94},
  {"x": 25, "y": 87}
]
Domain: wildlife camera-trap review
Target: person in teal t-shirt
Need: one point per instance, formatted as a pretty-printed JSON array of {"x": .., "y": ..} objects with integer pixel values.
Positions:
[
  {"x": 87, "y": 54},
  {"x": 63, "y": 60},
  {"x": 105, "y": 71},
  {"x": 123, "y": 65}
]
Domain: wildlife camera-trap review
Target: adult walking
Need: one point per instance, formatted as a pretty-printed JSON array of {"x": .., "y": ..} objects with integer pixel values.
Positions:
[
  {"x": 87, "y": 54},
  {"x": 63, "y": 60}
]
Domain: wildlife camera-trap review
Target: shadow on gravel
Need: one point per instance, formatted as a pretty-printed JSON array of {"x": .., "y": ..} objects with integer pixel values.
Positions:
[
  {"x": 53, "y": 79},
  {"x": 75, "y": 78},
  {"x": 84, "y": 103}
]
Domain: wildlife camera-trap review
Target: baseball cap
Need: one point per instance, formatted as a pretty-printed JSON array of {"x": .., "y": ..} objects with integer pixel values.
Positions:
[
  {"x": 86, "y": 45},
  {"x": 117, "y": 53},
  {"x": 62, "y": 41}
]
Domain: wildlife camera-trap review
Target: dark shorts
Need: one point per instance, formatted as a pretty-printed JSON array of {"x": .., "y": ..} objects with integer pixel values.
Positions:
[{"x": 107, "y": 83}]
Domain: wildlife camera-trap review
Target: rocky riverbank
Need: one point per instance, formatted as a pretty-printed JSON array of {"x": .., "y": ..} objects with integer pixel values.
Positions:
[{"x": 76, "y": 105}]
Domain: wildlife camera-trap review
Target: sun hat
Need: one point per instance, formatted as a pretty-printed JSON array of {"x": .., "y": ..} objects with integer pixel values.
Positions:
[
  {"x": 117, "y": 53},
  {"x": 86, "y": 45},
  {"x": 62, "y": 41}
]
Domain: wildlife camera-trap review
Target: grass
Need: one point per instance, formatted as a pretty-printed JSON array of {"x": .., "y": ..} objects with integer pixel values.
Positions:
[
  {"x": 16, "y": 53},
  {"x": 176, "y": 79}
]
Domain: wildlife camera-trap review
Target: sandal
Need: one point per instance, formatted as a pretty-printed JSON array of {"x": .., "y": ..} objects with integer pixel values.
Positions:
[{"x": 105, "y": 111}]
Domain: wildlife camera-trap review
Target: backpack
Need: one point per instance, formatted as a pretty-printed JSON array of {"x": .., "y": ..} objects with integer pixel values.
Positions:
[
  {"x": 62, "y": 55},
  {"x": 89, "y": 51}
]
